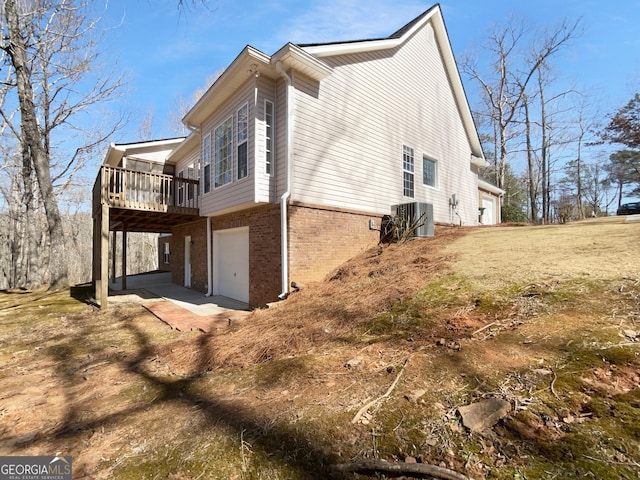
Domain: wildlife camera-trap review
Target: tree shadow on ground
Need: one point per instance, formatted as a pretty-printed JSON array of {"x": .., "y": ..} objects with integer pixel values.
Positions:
[{"x": 280, "y": 442}]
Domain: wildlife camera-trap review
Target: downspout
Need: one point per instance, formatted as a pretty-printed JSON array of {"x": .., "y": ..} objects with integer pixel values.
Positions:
[
  {"x": 284, "y": 199},
  {"x": 209, "y": 261}
]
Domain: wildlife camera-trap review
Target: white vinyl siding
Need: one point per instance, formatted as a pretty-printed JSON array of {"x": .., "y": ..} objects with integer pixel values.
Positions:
[
  {"x": 237, "y": 193},
  {"x": 351, "y": 128}
]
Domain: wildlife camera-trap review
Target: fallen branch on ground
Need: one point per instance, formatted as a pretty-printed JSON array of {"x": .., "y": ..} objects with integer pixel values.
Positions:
[
  {"x": 364, "y": 409},
  {"x": 402, "y": 468},
  {"x": 484, "y": 328},
  {"x": 555, "y": 377}
]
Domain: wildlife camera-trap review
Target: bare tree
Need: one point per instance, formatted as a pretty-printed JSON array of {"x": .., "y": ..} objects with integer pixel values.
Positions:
[
  {"x": 514, "y": 59},
  {"x": 182, "y": 106},
  {"x": 51, "y": 57}
]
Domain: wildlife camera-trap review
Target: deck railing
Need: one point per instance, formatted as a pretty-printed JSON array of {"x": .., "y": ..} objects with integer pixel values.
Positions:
[{"x": 130, "y": 189}]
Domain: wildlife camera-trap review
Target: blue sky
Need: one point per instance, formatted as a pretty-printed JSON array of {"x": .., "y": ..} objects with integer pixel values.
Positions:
[{"x": 166, "y": 54}]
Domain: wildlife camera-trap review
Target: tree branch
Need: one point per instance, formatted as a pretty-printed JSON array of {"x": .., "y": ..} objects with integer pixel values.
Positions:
[{"x": 401, "y": 468}]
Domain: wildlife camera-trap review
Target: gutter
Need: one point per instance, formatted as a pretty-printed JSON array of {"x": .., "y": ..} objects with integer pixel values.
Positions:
[{"x": 284, "y": 199}]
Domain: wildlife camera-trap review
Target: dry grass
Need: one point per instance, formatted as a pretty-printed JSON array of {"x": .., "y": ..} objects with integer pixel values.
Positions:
[{"x": 334, "y": 311}]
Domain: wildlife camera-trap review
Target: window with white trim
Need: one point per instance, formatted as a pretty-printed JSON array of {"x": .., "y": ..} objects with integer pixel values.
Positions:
[
  {"x": 242, "y": 136},
  {"x": 268, "y": 137},
  {"x": 166, "y": 254},
  {"x": 429, "y": 172},
  {"x": 206, "y": 163},
  {"x": 180, "y": 188},
  {"x": 191, "y": 175},
  {"x": 223, "y": 153},
  {"x": 407, "y": 171}
]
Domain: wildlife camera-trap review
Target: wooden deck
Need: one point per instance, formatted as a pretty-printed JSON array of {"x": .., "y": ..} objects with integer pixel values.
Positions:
[
  {"x": 144, "y": 201},
  {"x": 136, "y": 201}
]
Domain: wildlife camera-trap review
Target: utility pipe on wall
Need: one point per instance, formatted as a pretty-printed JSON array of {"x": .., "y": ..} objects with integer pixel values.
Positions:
[{"x": 284, "y": 199}]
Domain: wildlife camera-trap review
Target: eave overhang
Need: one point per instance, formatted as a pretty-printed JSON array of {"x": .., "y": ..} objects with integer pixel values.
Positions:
[
  {"x": 187, "y": 146},
  {"x": 251, "y": 63},
  {"x": 489, "y": 187}
]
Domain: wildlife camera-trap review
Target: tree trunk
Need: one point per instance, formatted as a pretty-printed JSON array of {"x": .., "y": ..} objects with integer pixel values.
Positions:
[
  {"x": 33, "y": 142},
  {"x": 544, "y": 153},
  {"x": 533, "y": 196}
]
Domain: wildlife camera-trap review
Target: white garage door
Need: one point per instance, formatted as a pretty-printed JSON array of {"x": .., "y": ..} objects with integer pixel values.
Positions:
[
  {"x": 231, "y": 263},
  {"x": 488, "y": 216}
]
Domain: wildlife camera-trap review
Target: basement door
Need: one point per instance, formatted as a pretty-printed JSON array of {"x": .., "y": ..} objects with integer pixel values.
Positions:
[
  {"x": 488, "y": 216},
  {"x": 231, "y": 263}
]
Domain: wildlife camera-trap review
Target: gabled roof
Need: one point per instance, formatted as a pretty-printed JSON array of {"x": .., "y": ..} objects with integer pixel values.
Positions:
[
  {"x": 396, "y": 39},
  {"x": 251, "y": 62},
  {"x": 307, "y": 58}
]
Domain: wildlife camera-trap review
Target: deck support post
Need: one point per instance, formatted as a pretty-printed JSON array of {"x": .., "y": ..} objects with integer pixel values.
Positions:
[
  {"x": 101, "y": 255},
  {"x": 124, "y": 257},
  {"x": 114, "y": 239}
]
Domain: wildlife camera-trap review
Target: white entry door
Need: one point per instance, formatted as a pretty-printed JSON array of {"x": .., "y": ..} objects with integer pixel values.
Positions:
[
  {"x": 231, "y": 263},
  {"x": 489, "y": 205},
  {"x": 187, "y": 261}
]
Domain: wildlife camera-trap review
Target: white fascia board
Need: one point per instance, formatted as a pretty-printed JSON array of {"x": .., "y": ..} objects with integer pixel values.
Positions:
[
  {"x": 490, "y": 187},
  {"x": 367, "y": 45},
  {"x": 478, "y": 161},
  {"x": 299, "y": 59},
  {"x": 191, "y": 142},
  {"x": 477, "y": 155},
  {"x": 351, "y": 48}
]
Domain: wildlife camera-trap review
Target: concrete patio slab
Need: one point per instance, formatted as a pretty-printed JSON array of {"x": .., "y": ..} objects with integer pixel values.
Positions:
[{"x": 181, "y": 308}]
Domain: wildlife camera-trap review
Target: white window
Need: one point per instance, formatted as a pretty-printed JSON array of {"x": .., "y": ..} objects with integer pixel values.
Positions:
[
  {"x": 223, "y": 154},
  {"x": 407, "y": 171},
  {"x": 166, "y": 253},
  {"x": 268, "y": 135},
  {"x": 206, "y": 163},
  {"x": 429, "y": 172},
  {"x": 242, "y": 135},
  {"x": 191, "y": 175},
  {"x": 180, "y": 187}
]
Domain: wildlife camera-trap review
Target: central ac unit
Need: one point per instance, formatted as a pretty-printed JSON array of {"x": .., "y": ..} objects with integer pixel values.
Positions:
[{"x": 417, "y": 216}]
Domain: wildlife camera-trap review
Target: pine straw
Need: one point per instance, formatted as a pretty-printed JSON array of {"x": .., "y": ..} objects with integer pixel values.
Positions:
[{"x": 330, "y": 312}]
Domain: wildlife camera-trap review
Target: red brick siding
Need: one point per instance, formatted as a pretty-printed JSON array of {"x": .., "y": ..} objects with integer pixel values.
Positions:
[
  {"x": 198, "y": 232},
  {"x": 321, "y": 239},
  {"x": 264, "y": 249}
]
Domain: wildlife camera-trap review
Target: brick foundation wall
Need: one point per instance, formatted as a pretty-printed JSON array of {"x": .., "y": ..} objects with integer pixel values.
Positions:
[
  {"x": 320, "y": 239},
  {"x": 198, "y": 232},
  {"x": 264, "y": 249}
]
